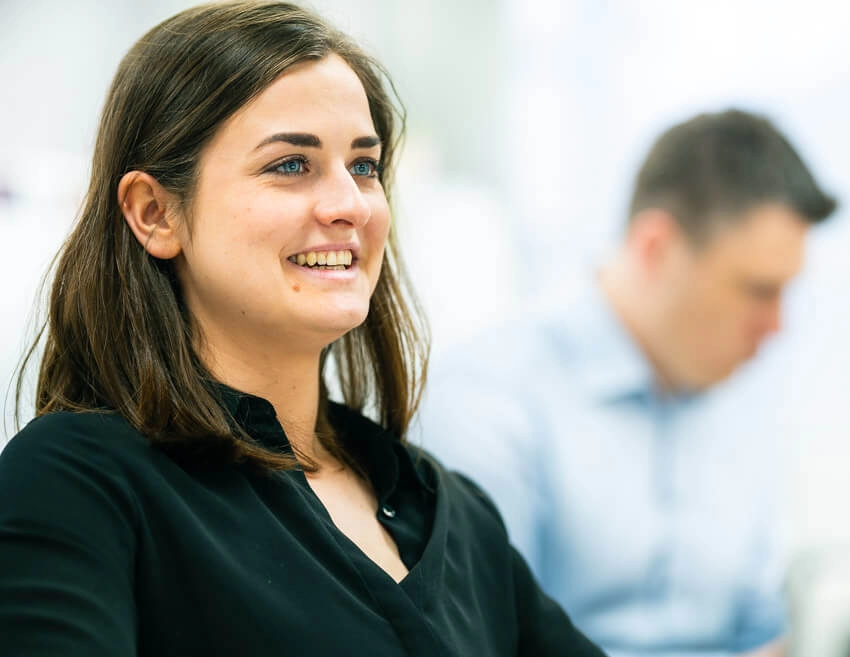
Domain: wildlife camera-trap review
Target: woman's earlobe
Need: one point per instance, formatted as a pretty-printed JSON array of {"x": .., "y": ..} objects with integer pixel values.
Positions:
[{"x": 147, "y": 209}]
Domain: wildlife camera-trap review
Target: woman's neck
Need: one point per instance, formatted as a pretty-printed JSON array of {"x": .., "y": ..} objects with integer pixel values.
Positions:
[{"x": 289, "y": 381}]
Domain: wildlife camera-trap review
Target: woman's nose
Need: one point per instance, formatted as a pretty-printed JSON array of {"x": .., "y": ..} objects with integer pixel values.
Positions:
[{"x": 341, "y": 200}]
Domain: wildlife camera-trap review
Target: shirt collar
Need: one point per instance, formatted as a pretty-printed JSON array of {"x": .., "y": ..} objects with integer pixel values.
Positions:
[
  {"x": 602, "y": 353},
  {"x": 385, "y": 459}
]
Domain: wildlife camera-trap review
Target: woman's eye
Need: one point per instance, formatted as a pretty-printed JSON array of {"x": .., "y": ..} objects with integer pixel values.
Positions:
[
  {"x": 368, "y": 168},
  {"x": 292, "y": 167}
]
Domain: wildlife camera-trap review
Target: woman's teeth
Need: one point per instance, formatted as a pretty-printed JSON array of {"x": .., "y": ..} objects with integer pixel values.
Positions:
[{"x": 323, "y": 259}]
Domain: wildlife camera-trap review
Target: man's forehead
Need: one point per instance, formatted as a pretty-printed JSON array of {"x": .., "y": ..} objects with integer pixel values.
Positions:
[
  {"x": 764, "y": 227},
  {"x": 765, "y": 246}
]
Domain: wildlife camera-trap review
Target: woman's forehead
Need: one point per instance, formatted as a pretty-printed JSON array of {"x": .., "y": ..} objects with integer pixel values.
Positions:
[{"x": 313, "y": 96}]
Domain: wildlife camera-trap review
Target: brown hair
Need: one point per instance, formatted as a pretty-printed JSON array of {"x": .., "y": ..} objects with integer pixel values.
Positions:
[
  {"x": 118, "y": 336},
  {"x": 722, "y": 164}
]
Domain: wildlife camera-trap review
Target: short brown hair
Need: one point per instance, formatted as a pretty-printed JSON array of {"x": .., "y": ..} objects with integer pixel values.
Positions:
[
  {"x": 723, "y": 164},
  {"x": 118, "y": 335}
]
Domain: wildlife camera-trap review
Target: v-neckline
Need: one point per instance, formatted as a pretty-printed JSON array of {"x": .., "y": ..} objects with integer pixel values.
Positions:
[
  {"x": 383, "y": 531},
  {"x": 423, "y": 571}
]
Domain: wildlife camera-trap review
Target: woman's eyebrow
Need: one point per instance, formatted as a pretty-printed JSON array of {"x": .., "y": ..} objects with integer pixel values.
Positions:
[
  {"x": 366, "y": 142},
  {"x": 312, "y": 141},
  {"x": 294, "y": 138}
]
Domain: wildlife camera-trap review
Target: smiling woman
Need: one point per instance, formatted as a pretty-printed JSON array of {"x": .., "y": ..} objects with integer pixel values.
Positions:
[
  {"x": 187, "y": 486},
  {"x": 229, "y": 151},
  {"x": 293, "y": 172}
]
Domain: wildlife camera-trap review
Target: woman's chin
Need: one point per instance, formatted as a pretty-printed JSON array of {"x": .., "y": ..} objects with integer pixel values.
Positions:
[{"x": 340, "y": 322}]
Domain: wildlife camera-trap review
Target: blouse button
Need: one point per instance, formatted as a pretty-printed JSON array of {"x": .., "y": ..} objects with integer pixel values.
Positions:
[{"x": 388, "y": 511}]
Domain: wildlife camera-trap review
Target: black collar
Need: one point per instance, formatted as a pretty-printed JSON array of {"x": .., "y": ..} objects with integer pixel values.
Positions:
[{"x": 387, "y": 461}]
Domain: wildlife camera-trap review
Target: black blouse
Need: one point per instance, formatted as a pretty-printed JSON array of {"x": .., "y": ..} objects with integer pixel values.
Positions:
[{"x": 109, "y": 548}]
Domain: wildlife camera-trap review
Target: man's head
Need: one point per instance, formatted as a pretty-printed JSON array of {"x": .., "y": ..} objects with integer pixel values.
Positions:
[{"x": 718, "y": 219}]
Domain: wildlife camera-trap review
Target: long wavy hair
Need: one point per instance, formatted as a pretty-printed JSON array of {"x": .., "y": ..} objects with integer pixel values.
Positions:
[{"x": 117, "y": 336}]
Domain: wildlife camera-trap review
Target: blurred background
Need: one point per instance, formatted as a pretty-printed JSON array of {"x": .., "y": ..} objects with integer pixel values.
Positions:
[{"x": 527, "y": 120}]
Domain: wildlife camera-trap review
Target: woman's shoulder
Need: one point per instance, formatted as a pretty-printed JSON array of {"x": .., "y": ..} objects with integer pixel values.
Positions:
[
  {"x": 61, "y": 443},
  {"x": 99, "y": 430},
  {"x": 73, "y": 476}
]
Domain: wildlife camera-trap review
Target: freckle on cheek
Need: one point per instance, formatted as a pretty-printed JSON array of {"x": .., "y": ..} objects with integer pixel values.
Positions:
[{"x": 296, "y": 287}]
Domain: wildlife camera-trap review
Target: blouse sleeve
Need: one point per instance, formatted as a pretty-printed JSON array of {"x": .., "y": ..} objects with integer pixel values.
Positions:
[
  {"x": 544, "y": 629},
  {"x": 66, "y": 545}
]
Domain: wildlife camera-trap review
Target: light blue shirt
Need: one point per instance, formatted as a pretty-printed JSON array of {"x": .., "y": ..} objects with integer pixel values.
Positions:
[{"x": 653, "y": 520}]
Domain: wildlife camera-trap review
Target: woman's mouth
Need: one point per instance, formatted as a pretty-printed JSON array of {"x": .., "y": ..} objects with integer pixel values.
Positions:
[{"x": 334, "y": 260}]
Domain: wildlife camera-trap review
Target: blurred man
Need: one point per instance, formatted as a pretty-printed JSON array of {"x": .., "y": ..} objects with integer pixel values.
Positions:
[{"x": 645, "y": 499}]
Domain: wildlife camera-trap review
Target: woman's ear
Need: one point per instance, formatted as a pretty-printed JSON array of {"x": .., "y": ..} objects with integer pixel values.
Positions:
[{"x": 148, "y": 209}]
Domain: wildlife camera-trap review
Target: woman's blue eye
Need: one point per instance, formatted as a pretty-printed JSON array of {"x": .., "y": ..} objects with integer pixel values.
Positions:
[
  {"x": 364, "y": 168},
  {"x": 291, "y": 167}
]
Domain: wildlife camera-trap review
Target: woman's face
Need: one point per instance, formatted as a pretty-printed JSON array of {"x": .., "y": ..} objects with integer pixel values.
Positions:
[{"x": 288, "y": 220}]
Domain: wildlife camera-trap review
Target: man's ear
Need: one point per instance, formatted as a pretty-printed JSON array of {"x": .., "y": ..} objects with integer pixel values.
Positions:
[
  {"x": 148, "y": 209},
  {"x": 653, "y": 235}
]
